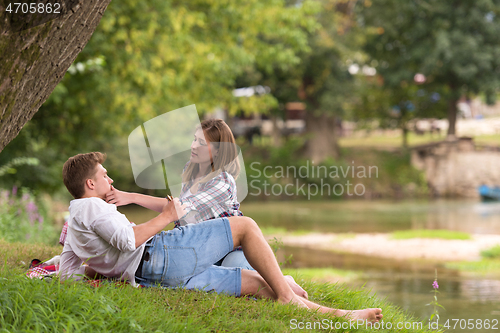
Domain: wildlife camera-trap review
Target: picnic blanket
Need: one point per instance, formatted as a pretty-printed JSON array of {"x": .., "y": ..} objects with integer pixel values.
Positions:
[{"x": 43, "y": 269}]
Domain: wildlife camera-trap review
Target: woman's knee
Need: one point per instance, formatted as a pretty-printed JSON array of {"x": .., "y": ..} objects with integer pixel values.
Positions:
[{"x": 242, "y": 224}]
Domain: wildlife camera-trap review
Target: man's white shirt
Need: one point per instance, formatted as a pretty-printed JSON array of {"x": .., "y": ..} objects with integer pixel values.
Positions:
[{"x": 101, "y": 237}]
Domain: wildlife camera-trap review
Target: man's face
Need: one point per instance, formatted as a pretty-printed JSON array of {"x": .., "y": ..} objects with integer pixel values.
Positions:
[{"x": 102, "y": 182}]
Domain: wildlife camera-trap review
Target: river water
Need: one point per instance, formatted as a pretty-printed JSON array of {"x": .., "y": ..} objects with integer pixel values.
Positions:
[{"x": 407, "y": 284}]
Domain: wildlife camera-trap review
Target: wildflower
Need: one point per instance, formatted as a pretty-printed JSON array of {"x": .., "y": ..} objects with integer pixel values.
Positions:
[
  {"x": 31, "y": 207},
  {"x": 14, "y": 190},
  {"x": 434, "y": 303}
]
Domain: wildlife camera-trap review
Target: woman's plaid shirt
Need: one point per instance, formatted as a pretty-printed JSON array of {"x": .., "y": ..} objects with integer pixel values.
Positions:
[{"x": 215, "y": 198}]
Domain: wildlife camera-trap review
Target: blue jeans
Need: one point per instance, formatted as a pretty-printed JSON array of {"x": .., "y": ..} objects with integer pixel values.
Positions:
[
  {"x": 184, "y": 257},
  {"x": 235, "y": 258}
]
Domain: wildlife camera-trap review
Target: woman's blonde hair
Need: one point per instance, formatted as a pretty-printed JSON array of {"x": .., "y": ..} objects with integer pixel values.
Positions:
[{"x": 217, "y": 133}]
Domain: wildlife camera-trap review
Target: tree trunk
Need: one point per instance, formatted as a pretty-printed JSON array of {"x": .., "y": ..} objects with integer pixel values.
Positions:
[
  {"x": 322, "y": 136},
  {"x": 276, "y": 136},
  {"x": 452, "y": 118},
  {"x": 35, "y": 52},
  {"x": 405, "y": 137}
]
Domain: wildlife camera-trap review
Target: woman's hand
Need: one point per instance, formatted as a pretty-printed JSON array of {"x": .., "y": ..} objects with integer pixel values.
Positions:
[
  {"x": 119, "y": 198},
  {"x": 174, "y": 210}
]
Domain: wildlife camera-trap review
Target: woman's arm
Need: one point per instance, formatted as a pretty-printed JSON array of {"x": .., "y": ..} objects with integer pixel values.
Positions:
[
  {"x": 170, "y": 213},
  {"x": 121, "y": 198}
]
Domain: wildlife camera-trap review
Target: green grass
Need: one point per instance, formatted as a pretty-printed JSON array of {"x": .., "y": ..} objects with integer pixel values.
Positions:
[
  {"x": 273, "y": 230},
  {"x": 396, "y": 141},
  {"x": 493, "y": 139},
  {"x": 387, "y": 141},
  {"x": 49, "y": 306},
  {"x": 282, "y": 231},
  {"x": 489, "y": 267},
  {"x": 425, "y": 233},
  {"x": 323, "y": 274},
  {"x": 492, "y": 253}
]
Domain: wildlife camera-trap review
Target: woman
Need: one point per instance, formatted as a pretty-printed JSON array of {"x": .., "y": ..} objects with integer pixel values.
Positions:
[{"x": 209, "y": 186}]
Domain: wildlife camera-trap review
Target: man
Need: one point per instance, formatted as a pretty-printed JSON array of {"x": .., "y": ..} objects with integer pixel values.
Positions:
[{"x": 103, "y": 239}]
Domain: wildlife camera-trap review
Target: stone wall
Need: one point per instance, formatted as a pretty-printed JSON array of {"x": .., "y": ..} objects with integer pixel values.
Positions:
[{"x": 459, "y": 167}]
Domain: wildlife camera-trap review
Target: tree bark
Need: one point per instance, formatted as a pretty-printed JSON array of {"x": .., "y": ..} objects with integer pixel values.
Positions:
[
  {"x": 276, "y": 134},
  {"x": 452, "y": 117},
  {"x": 35, "y": 52},
  {"x": 322, "y": 136},
  {"x": 405, "y": 136}
]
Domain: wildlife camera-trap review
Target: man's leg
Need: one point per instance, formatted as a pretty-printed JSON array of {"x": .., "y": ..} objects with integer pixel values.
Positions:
[
  {"x": 237, "y": 259},
  {"x": 253, "y": 284}
]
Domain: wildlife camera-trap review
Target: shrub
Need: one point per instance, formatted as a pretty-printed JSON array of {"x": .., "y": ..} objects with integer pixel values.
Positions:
[
  {"x": 24, "y": 218},
  {"x": 493, "y": 253}
]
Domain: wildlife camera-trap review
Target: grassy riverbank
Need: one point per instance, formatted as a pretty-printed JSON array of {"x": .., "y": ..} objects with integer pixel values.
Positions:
[{"x": 48, "y": 306}]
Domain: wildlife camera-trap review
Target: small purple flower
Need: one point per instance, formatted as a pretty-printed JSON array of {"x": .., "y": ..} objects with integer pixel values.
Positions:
[
  {"x": 31, "y": 207},
  {"x": 435, "y": 284},
  {"x": 14, "y": 190}
]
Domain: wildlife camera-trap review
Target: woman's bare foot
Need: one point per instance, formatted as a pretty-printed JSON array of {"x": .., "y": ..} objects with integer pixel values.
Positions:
[
  {"x": 372, "y": 315},
  {"x": 295, "y": 287}
]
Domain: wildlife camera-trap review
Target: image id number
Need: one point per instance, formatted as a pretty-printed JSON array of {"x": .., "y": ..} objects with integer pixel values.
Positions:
[
  {"x": 40, "y": 8},
  {"x": 471, "y": 324}
]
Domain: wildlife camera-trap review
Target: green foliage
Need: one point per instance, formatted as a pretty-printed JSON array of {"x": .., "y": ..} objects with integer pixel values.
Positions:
[
  {"x": 282, "y": 166},
  {"x": 24, "y": 219},
  {"x": 388, "y": 174},
  {"x": 426, "y": 233},
  {"x": 147, "y": 58},
  {"x": 492, "y": 253},
  {"x": 9, "y": 168},
  {"x": 277, "y": 244},
  {"x": 454, "y": 44}
]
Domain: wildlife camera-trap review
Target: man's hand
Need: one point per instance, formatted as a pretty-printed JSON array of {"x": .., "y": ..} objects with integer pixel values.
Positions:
[
  {"x": 119, "y": 198},
  {"x": 173, "y": 210}
]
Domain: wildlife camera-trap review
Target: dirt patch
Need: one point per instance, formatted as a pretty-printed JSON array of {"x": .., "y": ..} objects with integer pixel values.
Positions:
[{"x": 381, "y": 245}]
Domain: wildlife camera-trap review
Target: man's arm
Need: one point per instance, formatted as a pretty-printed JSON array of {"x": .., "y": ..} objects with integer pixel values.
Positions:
[{"x": 170, "y": 213}]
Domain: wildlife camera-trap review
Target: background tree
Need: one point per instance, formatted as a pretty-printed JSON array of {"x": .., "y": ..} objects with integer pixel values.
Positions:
[
  {"x": 150, "y": 57},
  {"x": 455, "y": 44},
  {"x": 322, "y": 81},
  {"x": 395, "y": 107}
]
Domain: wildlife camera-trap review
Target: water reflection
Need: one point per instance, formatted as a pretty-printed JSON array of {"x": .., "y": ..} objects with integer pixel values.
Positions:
[
  {"x": 378, "y": 216},
  {"x": 409, "y": 284}
]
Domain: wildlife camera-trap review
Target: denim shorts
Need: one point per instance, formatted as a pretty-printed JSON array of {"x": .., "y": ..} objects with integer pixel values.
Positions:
[{"x": 184, "y": 258}]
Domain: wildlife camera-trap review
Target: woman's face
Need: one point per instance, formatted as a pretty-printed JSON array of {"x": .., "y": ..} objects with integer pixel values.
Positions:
[{"x": 201, "y": 150}]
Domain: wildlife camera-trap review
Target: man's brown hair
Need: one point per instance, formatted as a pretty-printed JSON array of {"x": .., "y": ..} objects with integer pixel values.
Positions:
[{"x": 78, "y": 169}]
